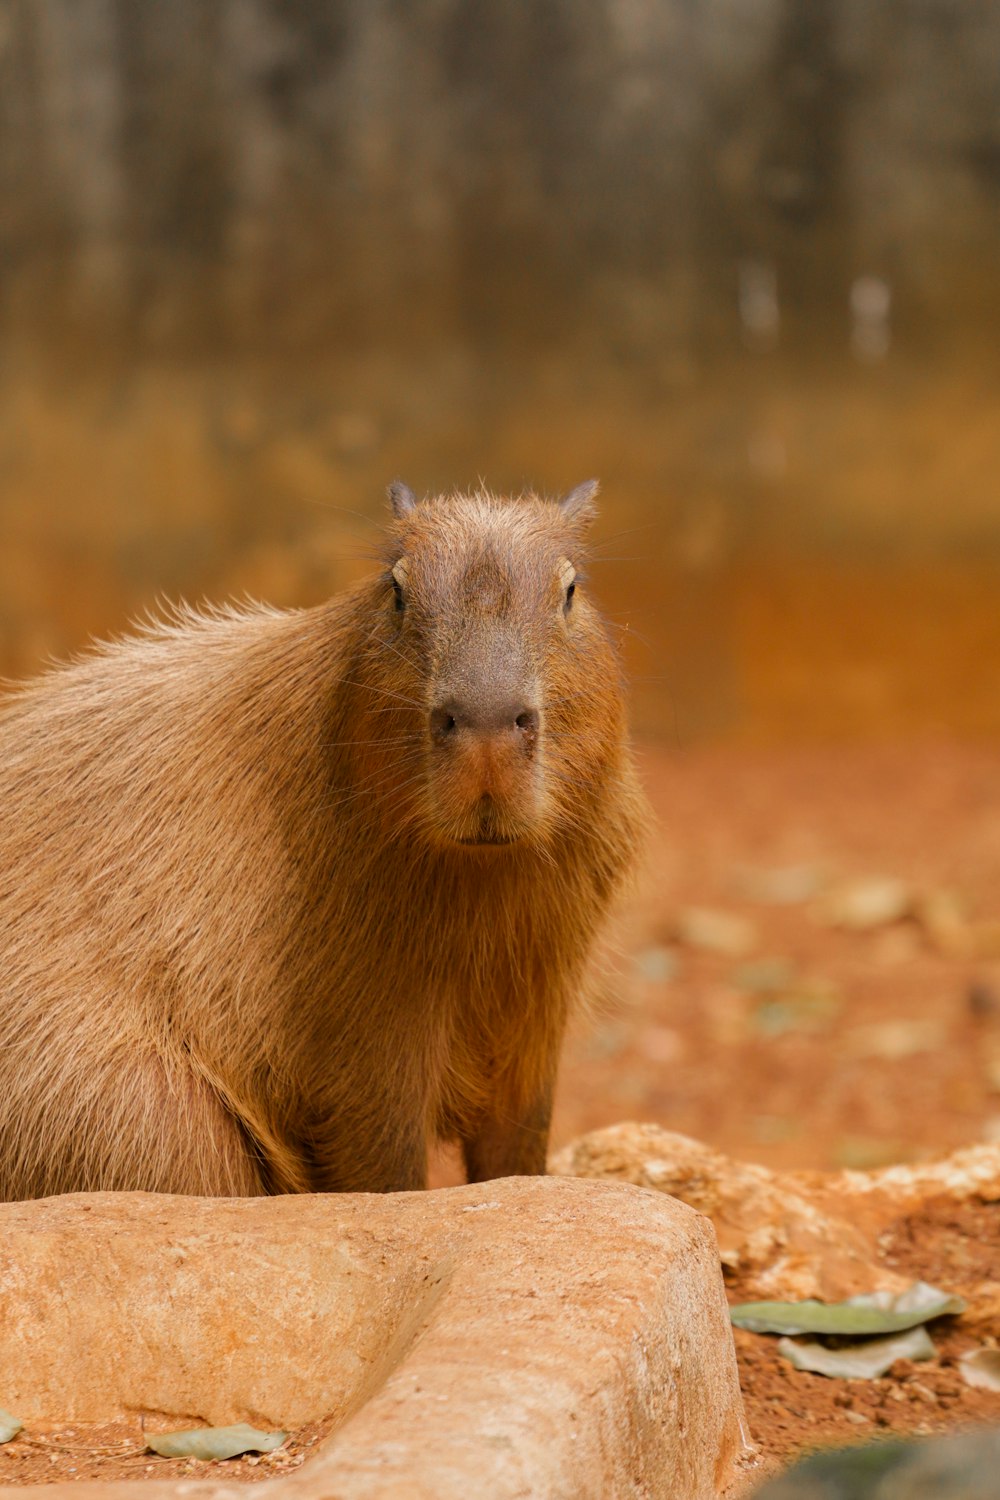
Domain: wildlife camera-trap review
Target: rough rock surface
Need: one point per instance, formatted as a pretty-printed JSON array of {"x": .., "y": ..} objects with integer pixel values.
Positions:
[
  {"x": 544, "y": 1337},
  {"x": 788, "y": 1234}
]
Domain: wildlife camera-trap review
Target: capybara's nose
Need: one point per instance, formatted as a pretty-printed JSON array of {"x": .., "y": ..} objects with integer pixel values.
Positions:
[{"x": 485, "y": 720}]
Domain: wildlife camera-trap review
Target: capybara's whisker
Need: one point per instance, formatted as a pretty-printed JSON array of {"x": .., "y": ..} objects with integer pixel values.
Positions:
[
  {"x": 385, "y": 692},
  {"x": 364, "y": 790},
  {"x": 616, "y": 536},
  {"x": 389, "y": 740}
]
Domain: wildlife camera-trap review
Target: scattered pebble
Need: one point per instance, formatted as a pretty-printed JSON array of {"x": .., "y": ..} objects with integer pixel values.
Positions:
[
  {"x": 716, "y": 931},
  {"x": 920, "y": 1392},
  {"x": 895, "y": 1041},
  {"x": 786, "y": 885},
  {"x": 868, "y": 902},
  {"x": 981, "y": 1367},
  {"x": 658, "y": 1173}
]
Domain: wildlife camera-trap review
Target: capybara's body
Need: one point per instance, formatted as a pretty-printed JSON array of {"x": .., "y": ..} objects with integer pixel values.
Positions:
[{"x": 285, "y": 895}]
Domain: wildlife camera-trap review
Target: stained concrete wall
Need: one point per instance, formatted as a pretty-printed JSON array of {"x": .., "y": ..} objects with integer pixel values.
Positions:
[
  {"x": 268, "y": 174},
  {"x": 736, "y": 257}
]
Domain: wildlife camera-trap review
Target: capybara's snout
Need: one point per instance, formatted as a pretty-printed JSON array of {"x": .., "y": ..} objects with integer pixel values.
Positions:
[{"x": 486, "y": 780}]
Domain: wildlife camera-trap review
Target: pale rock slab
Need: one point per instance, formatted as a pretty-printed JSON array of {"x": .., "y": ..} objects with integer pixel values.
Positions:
[
  {"x": 529, "y": 1337},
  {"x": 789, "y": 1234}
]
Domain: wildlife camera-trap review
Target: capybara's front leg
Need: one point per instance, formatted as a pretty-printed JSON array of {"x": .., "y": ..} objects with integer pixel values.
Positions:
[
  {"x": 392, "y": 1159},
  {"x": 510, "y": 1143}
]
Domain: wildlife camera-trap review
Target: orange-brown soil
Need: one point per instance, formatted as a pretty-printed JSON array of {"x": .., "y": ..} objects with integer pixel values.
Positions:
[
  {"x": 62, "y": 1452},
  {"x": 814, "y": 1082},
  {"x": 808, "y": 1084}
]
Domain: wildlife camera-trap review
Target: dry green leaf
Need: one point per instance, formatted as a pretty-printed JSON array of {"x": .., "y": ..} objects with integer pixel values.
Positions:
[
  {"x": 214, "y": 1442},
  {"x": 659, "y": 965},
  {"x": 863, "y": 1153},
  {"x": 872, "y": 1313},
  {"x": 764, "y": 976},
  {"x": 863, "y": 1359},
  {"x": 9, "y": 1426},
  {"x": 802, "y": 1010},
  {"x": 981, "y": 1367}
]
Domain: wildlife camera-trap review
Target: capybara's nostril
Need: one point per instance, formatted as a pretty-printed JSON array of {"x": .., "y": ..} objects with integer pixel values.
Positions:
[
  {"x": 485, "y": 720},
  {"x": 443, "y": 723}
]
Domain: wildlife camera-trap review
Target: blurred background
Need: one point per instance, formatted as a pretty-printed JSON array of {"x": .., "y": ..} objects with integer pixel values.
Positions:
[
  {"x": 258, "y": 257},
  {"x": 740, "y": 260}
]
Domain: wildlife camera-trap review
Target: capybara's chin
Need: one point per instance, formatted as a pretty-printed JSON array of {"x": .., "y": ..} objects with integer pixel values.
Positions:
[
  {"x": 493, "y": 828},
  {"x": 490, "y": 822}
]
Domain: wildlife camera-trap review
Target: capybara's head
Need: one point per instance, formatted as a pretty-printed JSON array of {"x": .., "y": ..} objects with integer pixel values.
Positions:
[{"x": 493, "y": 687}]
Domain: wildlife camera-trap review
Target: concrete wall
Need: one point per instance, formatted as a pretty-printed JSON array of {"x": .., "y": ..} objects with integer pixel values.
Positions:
[
  {"x": 737, "y": 257},
  {"x": 287, "y": 174}
]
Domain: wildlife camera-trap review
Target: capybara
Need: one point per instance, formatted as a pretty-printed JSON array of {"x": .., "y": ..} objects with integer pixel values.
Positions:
[{"x": 287, "y": 895}]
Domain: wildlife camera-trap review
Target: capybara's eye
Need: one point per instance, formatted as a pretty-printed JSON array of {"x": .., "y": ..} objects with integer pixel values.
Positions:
[
  {"x": 567, "y": 582},
  {"x": 397, "y": 578}
]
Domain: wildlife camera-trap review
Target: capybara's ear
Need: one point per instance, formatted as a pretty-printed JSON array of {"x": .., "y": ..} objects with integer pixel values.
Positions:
[
  {"x": 401, "y": 498},
  {"x": 578, "y": 506}
]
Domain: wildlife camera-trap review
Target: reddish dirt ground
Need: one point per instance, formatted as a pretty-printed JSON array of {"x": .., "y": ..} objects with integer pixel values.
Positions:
[
  {"x": 74, "y": 1451},
  {"x": 793, "y": 1077},
  {"x": 798, "y": 1077},
  {"x": 803, "y": 1076}
]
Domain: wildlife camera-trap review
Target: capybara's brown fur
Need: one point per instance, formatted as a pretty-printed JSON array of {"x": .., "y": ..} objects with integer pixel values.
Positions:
[{"x": 286, "y": 895}]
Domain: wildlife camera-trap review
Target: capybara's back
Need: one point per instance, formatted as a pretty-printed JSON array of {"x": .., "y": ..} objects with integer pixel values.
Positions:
[{"x": 283, "y": 895}]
